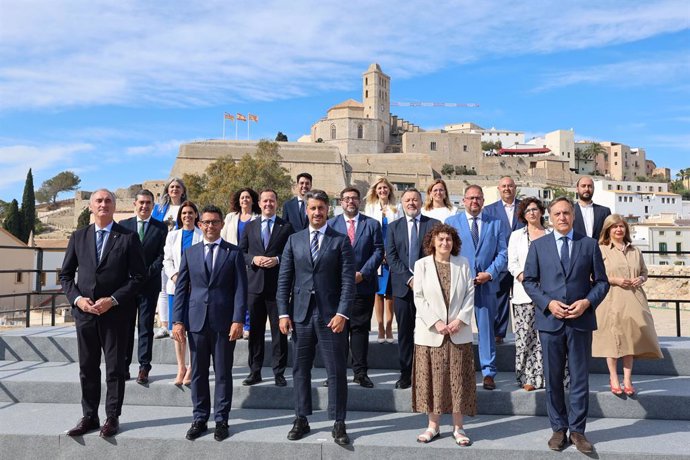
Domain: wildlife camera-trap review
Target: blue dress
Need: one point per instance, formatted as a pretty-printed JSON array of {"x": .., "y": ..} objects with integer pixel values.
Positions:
[
  {"x": 385, "y": 271},
  {"x": 187, "y": 238}
]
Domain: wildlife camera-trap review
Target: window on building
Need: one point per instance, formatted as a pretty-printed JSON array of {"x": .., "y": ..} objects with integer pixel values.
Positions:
[
  {"x": 646, "y": 209},
  {"x": 360, "y": 132},
  {"x": 615, "y": 154},
  {"x": 464, "y": 148},
  {"x": 677, "y": 233},
  {"x": 659, "y": 188},
  {"x": 618, "y": 187},
  {"x": 366, "y": 93},
  {"x": 663, "y": 262},
  {"x": 678, "y": 248},
  {"x": 615, "y": 163},
  {"x": 673, "y": 200},
  {"x": 661, "y": 232},
  {"x": 620, "y": 198},
  {"x": 433, "y": 146},
  {"x": 629, "y": 188},
  {"x": 18, "y": 277},
  {"x": 638, "y": 188},
  {"x": 662, "y": 248},
  {"x": 333, "y": 133},
  {"x": 610, "y": 187}
]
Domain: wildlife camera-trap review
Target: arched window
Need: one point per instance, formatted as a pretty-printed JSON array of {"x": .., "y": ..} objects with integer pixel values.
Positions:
[
  {"x": 332, "y": 131},
  {"x": 360, "y": 132}
]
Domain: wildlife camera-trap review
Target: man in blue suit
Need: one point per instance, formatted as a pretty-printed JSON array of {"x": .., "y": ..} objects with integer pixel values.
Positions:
[
  {"x": 210, "y": 303},
  {"x": 565, "y": 278},
  {"x": 294, "y": 209},
  {"x": 504, "y": 210},
  {"x": 366, "y": 239},
  {"x": 403, "y": 248},
  {"x": 485, "y": 246},
  {"x": 317, "y": 269}
]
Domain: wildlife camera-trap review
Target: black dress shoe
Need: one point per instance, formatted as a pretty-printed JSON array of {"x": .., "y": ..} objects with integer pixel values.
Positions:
[
  {"x": 280, "y": 381},
  {"x": 197, "y": 429},
  {"x": 252, "y": 379},
  {"x": 300, "y": 427},
  {"x": 85, "y": 425},
  {"x": 110, "y": 427},
  {"x": 221, "y": 431},
  {"x": 325, "y": 383},
  {"x": 143, "y": 377},
  {"x": 364, "y": 381},
  {"x": 581, "y": 443},
  {"x": 403, "y": 383},
  {"x": 339, "y": 434},
  {"x": 558, "y": 440}
]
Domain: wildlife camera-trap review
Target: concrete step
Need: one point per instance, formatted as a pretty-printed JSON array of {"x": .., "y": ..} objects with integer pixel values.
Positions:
[
  {"x": 659, "y": 397},
  {"x": 31, "y": 431},
  {"x": 59, "y": 344}
]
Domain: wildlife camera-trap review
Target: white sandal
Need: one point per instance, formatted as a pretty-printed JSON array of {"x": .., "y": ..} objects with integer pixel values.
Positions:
[
  {"x": 428, "y": 435},
  {"x": 461, "y": 438}
]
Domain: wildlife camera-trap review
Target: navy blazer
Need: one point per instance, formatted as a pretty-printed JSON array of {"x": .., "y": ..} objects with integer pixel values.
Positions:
[
  {"x": 600, "y": 215},
  {"x": 331, "y": 279},
  {"x": 368, "y": 249},
  {"x": 544, "y": 280},
  {"x": 154, "y": 248},
  {"x": 264, "y": 280},
  {"x": 398, "y": 251},
  {"x": 498, "y": 212},
  {"x": 491, "y": 253},
  {"x": 220, "y": 299},
  {"x": 291, "y": 214}
]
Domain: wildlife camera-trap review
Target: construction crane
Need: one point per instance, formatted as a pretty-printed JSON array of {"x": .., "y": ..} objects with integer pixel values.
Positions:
[{"x": 432, "y": 104}]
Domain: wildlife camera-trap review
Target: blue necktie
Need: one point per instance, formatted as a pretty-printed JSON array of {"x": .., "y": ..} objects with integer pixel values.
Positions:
[
  {"x": 414, "y": 245},
  {"x": 266, "y": 233},
  {"x": 302, "y": 212},
  {"x": 315, "y": 246},
  {"x": 475, "y": 232},
  {"x": 100, "y": 234},
  {"x": 565, "y": 254},
  {"x": 208, "y": 260}
]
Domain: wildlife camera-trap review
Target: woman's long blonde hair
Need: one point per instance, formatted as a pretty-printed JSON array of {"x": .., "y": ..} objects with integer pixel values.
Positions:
[
  {"x": 605, "y": 235},
  {"x": 372, "y": 197}
]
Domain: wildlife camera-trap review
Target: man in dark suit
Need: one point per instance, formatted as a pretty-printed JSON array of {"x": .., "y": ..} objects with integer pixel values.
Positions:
[
  {"x": 262, "y": 243},
  {"x": 589, "y": 217},
  {"x": 504, "y": 210},
  {"x": 403, "y": 248},
  {"x": 294, "y": 209},
  {"x": 366, "y": 239},
  {"x": 152, "y": 234},
  {"x": 486, "y": 249},
  {"x": 317, "y": 269},
  {"x": 565, "y": 278},
  {"x": 210, "y": 302},
  {"x": 111, "y": 268}
]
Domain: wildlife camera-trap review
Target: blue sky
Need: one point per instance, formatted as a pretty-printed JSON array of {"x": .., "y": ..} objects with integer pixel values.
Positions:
[{"x": 109, "y": 89}]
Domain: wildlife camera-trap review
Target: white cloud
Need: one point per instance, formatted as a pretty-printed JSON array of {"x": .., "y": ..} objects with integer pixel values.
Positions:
[
  {"x": 157, "y": 149},
  {"x": 61, "y": 54}
]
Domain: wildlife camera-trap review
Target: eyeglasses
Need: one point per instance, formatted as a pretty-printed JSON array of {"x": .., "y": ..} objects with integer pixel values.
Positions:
[
  {"x": 208, "y": 223},
  {"x": 474, "y": 198},
  {"x": 349, "y": 198},
  {"x": 531, "y": 210}
]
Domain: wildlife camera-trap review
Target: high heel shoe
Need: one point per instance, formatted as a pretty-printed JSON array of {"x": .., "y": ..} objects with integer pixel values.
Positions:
[
  {"x": 629, "y": 391},
  {"x": 187, "y": 377},
  {"x": 616, "y": 390}
]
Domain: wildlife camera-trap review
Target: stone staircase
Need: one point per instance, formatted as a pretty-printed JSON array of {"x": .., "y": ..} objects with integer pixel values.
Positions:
[{"x": 40, "y": 399}]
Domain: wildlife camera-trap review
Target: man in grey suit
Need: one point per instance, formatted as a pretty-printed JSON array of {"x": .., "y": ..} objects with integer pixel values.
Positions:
[
  {"x": 317, "y": 269},
  {"x": 565, "y": 278},
  {"x": 589, "y": 216}
]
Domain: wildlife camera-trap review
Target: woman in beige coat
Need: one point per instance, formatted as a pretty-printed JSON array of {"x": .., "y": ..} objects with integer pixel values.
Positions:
[
  {"x": 625, "y": 327},
  {"x": 443, "y": 377}
]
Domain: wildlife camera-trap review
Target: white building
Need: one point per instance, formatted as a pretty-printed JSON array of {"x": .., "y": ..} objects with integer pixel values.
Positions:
[
  {"x": 637, "y": 201},
  {"x": 561, "y": 143},
  {"x": 507, "y": 138},
  {"x": 665, "y": 234}
]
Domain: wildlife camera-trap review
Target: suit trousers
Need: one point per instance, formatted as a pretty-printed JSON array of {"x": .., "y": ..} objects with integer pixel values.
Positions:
[
  {"x": 405, "y": 312},
  {"x": 576, "y": 346},
  {"x": 262, "y": 307},
  {"x": 108, "y": 333},
  {"x": 204, "y": 346},
  {"x": 360, "y": 325},
  {"x": 485, "y": 314},
  {"x": 141, "y": 322},
  {"x": 503, "y": 306},
  {"x": 333, "y": 349}
]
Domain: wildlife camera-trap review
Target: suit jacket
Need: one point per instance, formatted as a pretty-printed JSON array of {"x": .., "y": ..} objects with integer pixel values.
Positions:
[
  {"x": 291, "y": 214},
  {"x": 220, "y": 298},
  {"x": 544, "y": 280},
  {"x": 497, "y": 211},
  {"x": 264, "y": 280},
  {"x": 600, "y": 214},
  {"x": 229, "y": 232},
  {"x": 518, "y": 246},
  {"x": 172, "y": 257},
  {"x": 491, "y": 253},
  {"x": 154, "y": 245},
  {"x": 368, "y": 249},
  {"x": 398, "y": 251},
  {"x": 119, "y": 273},
  {"x": 431, "y": 306},
  {"x": 331, "y": 279}
]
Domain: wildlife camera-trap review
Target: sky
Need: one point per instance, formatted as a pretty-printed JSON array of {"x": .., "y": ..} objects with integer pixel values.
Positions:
[{"x": 110, "y": 89}]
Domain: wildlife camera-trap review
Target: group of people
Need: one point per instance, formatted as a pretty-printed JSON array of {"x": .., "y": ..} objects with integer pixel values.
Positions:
[{"x": 216, "y": 278}]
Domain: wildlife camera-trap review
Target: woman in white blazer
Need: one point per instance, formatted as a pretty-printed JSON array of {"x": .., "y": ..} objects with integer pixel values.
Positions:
[
  {"x": 443, "y": 377},
  {"x": 186, "y": 235}
]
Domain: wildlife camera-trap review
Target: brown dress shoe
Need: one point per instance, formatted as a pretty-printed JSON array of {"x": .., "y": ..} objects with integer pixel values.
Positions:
[
  {"x": 528, "y": 387},
  {"x": 558, "y": 440},
  {"x": 581, "y": 443},
  {"x": 110, "y": 427},
  {"x": 85, "y": 425},
  {"x": 489, "y": 383},
  {"x": 143, "y": 377}
]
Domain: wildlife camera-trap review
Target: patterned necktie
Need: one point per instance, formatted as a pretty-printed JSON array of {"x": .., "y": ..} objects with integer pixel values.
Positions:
[
  {"x": 100, "y": 234},
  {"x": 302, "y": 212},
  {"x": 565, "y": 253},
  {"x": 266, "y": 233},
  {"x": 351, "y": 231},
  {"x": 315, "y": 245},
  {"x": 208, "y": 260},
  {"x": 414, "y": 249},
  {"x": 142, "y": 226},
  {"x": 475, "y": 231}
]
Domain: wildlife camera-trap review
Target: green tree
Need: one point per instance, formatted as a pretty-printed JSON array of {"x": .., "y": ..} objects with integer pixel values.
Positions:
[
  {"x": 62, "y": 182},
  {"x": 13, "y": 220},
  {"x": 4, "y": 207},
  {"x": 225, "y": 176},
  {"x": 280, "y": 137},
  {"x": 555, "y": 192},
  {"x": 28, "y": 209},
  {"x": 488, "y": 146},
  {"x": 84, "y": 218},
  {"x": 447, "y": 169}
]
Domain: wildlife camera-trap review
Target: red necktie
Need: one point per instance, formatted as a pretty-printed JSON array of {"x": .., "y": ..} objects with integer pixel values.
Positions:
[{"x": 351, "y": 231}]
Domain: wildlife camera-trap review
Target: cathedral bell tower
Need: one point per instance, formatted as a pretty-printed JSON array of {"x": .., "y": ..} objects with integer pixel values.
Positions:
[{"x": 377, "y": 104}]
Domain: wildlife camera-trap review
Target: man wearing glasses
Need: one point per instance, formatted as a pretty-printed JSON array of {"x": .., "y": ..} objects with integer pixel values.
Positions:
[{"x": 210, "y": 303}]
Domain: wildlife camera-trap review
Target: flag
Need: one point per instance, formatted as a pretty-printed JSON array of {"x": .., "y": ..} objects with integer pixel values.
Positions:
[
  {"x": 228, "y": 116},
  {"x": 241, "y": 117},
  {"x": 254, "y": 118}
]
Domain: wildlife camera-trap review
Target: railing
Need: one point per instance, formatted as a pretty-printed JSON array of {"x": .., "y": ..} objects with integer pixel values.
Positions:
[{"x": 677, "y": 302}]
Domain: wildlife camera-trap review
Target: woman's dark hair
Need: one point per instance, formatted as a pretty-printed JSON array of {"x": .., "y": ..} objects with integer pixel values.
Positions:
[
  {"x": 179, "y": 213},
  {"x": 235, "y": 200},
  {"x": 523, "y": 206},
  {"x": 437, "y": 229}
]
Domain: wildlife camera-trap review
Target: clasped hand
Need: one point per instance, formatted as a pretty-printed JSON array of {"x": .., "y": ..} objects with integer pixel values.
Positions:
[
  {"x": 447, "y": 329},
  {"x": 572, "y": 311},
  {"x": 98, "y": 307}
]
